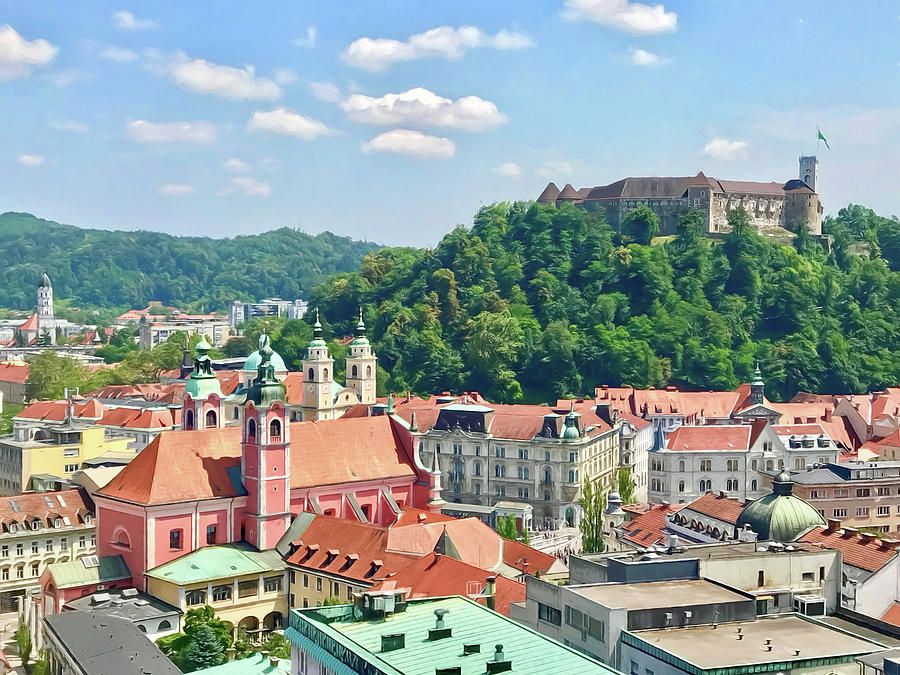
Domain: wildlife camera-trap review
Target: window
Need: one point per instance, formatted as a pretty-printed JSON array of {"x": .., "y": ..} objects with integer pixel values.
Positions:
[
  {"x": 681, "y": 465},
  {"x": 573, "y": 476},
  {"x": 841, "y": 492},
  {"x": 70, "y": 468},
  {"x": 499, "y": 451},
  {"x": 522, "y": 493},
  {"x": 34, "y": 569},
  {"x": 549, "y": 614},
  {"x": 457, "y": 449},
  {"x": 478, "y": 451},
  {"x": 754, "y": 465},
  {"x": 753, "y": 485},
  {"x": 251, "y": 425},
  {"x": 211, "y": 421},
  {"x": 573, "y": 456},
  {"x": 499, "y": 471},
  {"x": 165, "y": 624},
  {"x": 4, "y": 551},
  {"x": 706, "y": 465},
  {"x": 477, "y": 468},
  {"x": 335, "y": 589},
  {"x": 862, "y": 512},
  {"x": 4, "y": 574},
  {"x": 63, "y": 544},
  {"x": 574, "y": 618},
  {"x": 731, "y": 485},
  {"x": 20, "y": 572},
  {"x": 48, "y": 546},
  {"x": 731, "y": 465},
  {"x": 305, "y": 581},
  {"x": 884, "y": 491},
  {"x": 175, "y": 539},
  {"x": 546, "y": 455},
  {"x": 817, "y": 494},
  {"x": 523, "y": 453},
  {"x": 81, "y": 541},
  {"x": 863, "y": 492},
  {"x": 349, "y": 592},
  {"x": 761, "y": 578},
  {"x": 884, "y": 510},
  {"x": 195, "y": 597},
  {"x": 596, "y": 629},
  {"x": 770, "y": 465},
  {"x": 70, "y": 452},
  {"x": 681, "y": 486},
  {"x": 809, "y": 577},
  {"x": 635, "y": 668},
  {"x": 210, "y": 534},
  {"x": 221, "y": 593},
  {"x": 35, "y": 547},
  {"x": 247, "y": 589},
  {"x": 522, "y": 472},
  {"x": 275, "y": 430},
  {"x": 799, "y": 463},
  {"x": 319, "y": 584},
  {"x": 272, "y": 584},
  {"x": 839, "y": 513}
]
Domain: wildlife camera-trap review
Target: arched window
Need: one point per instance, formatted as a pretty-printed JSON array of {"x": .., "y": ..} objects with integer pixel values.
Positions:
[
  {"x": 120, "y": 538},
  {"x": 325, "y": 374},
  {"x": 770, "y": 465},
  {"x": 311, "y": 375},
  {"x": 681, "y": 486},
  {"x": 477, "y": 468},
  {"x": 368, "y": 371},
  {"x": 251, "y": 430},
  {"x": 165, "y": 624},
  {"x": 354, "y": 371},
  {"x": 236, "y": 413},
  {"x": 189, "y": 419},
  {"x": 211, "y": 421},
  {"x": 753, "y": 485},
  {"x": 275, "y": 429}
]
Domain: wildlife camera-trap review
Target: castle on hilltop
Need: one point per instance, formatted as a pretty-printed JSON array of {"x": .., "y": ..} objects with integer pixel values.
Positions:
[{"x": 786, "y": 205}]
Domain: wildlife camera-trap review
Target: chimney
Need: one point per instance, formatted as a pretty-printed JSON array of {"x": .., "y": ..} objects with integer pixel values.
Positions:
[
  {"x": 865, "y": 537},
  {"x": 500, "y": 664},
  {"x": 413, "y": 423},
  {"x": 490, "y": 590},
  {"x": 393, "y": 642},
  {"x": 439, "y": 632},
  {"x": 890, "y": 544},
  {"x": 273, "y": 662},
  {"x": 833, "y": 526},
  {"x": 827, "y": 414}
]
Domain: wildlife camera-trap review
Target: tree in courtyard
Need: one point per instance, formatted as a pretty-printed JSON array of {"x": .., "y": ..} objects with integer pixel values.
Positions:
[
  {"x": 277, "y": 645},
  {"x": 22, "y": 637},
  {"x": 506, "y": 527},
  {"x": 592, "y": 504},
  {"x": 625, "y": 485},
  {"x": 50, "y": 374},
  {"x": 206, "y": 651},
  {"x": 641, "y": 224}
]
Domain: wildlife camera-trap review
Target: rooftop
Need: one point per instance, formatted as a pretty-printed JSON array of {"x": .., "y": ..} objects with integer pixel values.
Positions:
[
  {"x": 257, "y": 664},
  {"x": 470, "y": 623},
  {"x": 88, "y": 570},
  {"x": 657, "y": 594},
  {"x": 101, "y": 645},
  {"x": 712, "y": 646},
  {"x": 123, "y": 603},
  {"x": 217, "y": 562}
]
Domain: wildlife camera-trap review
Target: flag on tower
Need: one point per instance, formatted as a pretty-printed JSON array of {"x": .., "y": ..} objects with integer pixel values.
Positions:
[{"x": 822, "y": 138}]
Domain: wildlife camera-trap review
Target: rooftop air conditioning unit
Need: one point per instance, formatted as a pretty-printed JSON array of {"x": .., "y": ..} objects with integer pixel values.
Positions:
[{"x": 809, "y": 605}]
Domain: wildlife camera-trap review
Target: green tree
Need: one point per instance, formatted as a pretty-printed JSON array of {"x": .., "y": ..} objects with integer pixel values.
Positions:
[
  {"x": 277, "y": 645},
  {"x": 506, "y": 527},
  {"x": 641, "y": 224},
  {"x": 592, "y": 505},
  {"x": 625, "y": 485},
  {"x": 206, "y": 651},
  {"x": 49, "y": 374},
  {"x": 22, "y": 636}
]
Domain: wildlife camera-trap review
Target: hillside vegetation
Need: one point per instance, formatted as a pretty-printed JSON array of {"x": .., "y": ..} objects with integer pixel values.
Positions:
[
  {"x": 534, "y": 302},
  {"x": 103, "y": 268}
]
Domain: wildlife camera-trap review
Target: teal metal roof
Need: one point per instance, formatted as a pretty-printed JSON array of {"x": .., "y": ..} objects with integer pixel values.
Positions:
[
  {"x": 252, "y": 362},
  {"x": 75, "y": 573},
  {"x": 217, "y": 562},
  {"x": 780, "y": 516},
  {"x": 258, "y": 664},
  {"x": 471, "y": 623}
]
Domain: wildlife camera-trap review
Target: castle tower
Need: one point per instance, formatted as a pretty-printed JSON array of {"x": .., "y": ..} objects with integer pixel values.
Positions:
[
  {"x": 757, "y": 388},
  {"x": 809, "y": 171},
  {"x": 266, "y": 457},
  {"x": 361, "y": 365},
  {"x": 318, "y": 386},
  {"x": 204, "y": 404},
  {"x": 45, "y": 320}
]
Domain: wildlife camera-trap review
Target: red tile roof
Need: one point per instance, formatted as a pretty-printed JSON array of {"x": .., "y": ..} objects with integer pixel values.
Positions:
[
  {"x": 30, "y": 324},
  {"x": 646, "y": 529},
  {"x": 798, "y": 429},
  {"x": 710, "y": 437},
  {"x": 869, "y": 555},
  {"x": 322, "y": 453},
  {"x": 437, "y": 575},
  {"x": 69, "y": 504},
  {"x": 525, "y": 558},
  {"x": 715, "y": 505},
  {"x": 55, "y": 411},
  {"x": 892, "y": 615},
  {"x": 11, "y": 372}
]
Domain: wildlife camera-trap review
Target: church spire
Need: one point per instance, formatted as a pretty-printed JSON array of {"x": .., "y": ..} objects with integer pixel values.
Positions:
[
  {"x": 757, "y": 388},
  {"x": 266, "y": 388}
]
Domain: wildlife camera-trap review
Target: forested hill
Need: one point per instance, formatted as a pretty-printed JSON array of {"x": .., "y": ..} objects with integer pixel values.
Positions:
[
  {"x": 113, "y": 268},
  {"x": 535, "y": 302}
]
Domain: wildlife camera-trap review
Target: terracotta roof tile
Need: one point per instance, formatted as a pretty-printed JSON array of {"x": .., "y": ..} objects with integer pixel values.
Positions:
[
  {"x": 711, "y": 437},
  {"x": 715, "y": 505},
  {"x": 69, "y": 504},
  {"x": 892, "y": 615},
  {"x": 647, "y": 528},
  {"x": 31, "y": 323},
  {"x": 870, "y": 556},
  {"x": 11, "y": 372}
]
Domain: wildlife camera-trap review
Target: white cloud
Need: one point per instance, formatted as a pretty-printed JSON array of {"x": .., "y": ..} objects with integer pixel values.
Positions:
[
  {"x": 285, "y": 76},
  {"x": 284, "y": 121},
  {"x": 18, "y": 55},
  {"x": 720, "y": 148},
  {"x": 249, "y": 186},
  {"x": 375, "y": 54},
  {"x": 641, "y": 57},
  {"x": 635, "y": 18},
  {"x": 204, "y": 77},
  {"x": 325, "y": 91},
  {"x": 176, "y": 189},
  {"x": 420, "y": 107},
  {"x": 70, "y": 126},
  {"x": 412, "y": 143},
  {"x": 118, "y": 54},
  {"x": 30, "y": 161},
  {"x": 143, "y": 131},
  {"x": 308, "y": 42},
  {"x": 554, "y": 169},
  {"x": 236, "y": 165},
  {"x": 508, "y": 170},
  {"x": 128, "y": 21},
  {"x": 64, "y": 78}
]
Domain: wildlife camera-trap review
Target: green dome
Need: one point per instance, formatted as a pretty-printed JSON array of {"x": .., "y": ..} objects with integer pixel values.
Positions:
[
  {"x": 252, "y": 362},
  {"x": 780, "y": 516}
]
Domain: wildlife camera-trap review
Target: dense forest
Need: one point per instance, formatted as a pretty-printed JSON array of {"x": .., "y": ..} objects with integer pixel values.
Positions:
[
  {"x": 534, "y": 302},
  {"x": 103, "y": 268}
]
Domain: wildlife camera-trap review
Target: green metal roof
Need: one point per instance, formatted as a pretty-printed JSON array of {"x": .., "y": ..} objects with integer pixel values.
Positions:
[
  {"x": 75, "y": 573},
  {"x": 471, "y": 623},
  {"x": 252, "y": 362},
  {"x": 217, "y": 562},
  {"x": 258, "y": 664},
  {"x": 780, "y": 516}
]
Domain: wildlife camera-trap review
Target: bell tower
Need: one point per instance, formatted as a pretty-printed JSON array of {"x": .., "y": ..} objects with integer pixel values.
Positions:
[
  {"x": 266, "y": 457},
  {"x": 318, "y": 385},
  {"x": 45, "y": 320},
  {"x": 204, "y": 404},
  {"x": 361, "y": 365},
  {"x": 757, "y": 388},
  {"x": 809, "y": 171}
]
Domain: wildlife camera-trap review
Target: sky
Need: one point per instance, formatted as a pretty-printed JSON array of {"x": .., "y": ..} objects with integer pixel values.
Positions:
[{"x": 395, "y": 121}]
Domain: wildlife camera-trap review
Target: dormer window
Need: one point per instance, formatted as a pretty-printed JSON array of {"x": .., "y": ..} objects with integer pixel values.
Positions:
[
  {"x": 57, "y": 522},
  {"x": 35, "y": 524}
]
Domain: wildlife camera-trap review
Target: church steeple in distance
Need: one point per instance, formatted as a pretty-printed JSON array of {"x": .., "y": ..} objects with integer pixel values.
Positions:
[{"x": 757, "y": 388}]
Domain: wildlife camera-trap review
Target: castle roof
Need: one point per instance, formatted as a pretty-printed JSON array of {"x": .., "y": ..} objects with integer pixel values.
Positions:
[
  {"x": 550, "y": 194},
  {"x": 208, "y": 461},
  {"x": 568, "y": 193}
]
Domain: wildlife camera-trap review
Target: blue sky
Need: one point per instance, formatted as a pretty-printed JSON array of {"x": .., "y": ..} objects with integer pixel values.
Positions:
[{"x": 394, "y": 121}]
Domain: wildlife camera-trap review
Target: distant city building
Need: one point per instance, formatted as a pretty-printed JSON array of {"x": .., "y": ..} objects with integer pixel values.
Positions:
[
  {"x": 215, "y": 329},
  {"x": 239, "y": 311},
  {"x": 778, "y": 204}
]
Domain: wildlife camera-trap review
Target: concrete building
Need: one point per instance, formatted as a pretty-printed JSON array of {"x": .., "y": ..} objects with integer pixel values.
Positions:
[
  {"x": 152, "y": 616},
  {"x": 40, "y": 529},
  {"x": 238, "y": 311},
  {"x": 386, "y": 633},
  {"x": 87, "y": 643},
  {"x": 13, "y": 376},
  {"x": 215, "y": 329},
  {"x": 859, "y": 494},
  {"x": 635, "y": 442},
  {"x": 777, "y": 204}
]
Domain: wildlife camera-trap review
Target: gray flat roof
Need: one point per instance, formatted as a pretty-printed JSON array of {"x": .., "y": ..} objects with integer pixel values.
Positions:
[
  {"x": 133, "y": 608},
  {"x": 654, "y": 594},
  {"x": 102, "y": 645},
  {"x": 718, "y": 647},
  {"x": 707, "y": 552}
]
